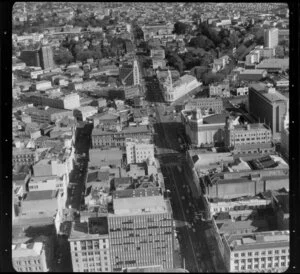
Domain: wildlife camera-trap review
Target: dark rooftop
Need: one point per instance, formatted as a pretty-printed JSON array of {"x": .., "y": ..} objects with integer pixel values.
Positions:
[{"x": 41, "y": 195}]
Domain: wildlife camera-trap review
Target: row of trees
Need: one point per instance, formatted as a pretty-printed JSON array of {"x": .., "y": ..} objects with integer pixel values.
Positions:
[{"x": 74, "y": 51}]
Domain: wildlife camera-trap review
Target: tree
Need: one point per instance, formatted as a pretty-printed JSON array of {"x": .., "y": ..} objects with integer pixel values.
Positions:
[
  {"x": 84, "y": 55},
  {"x": 180, "y": 28},
  {"x": 210, "y": 77},
  {"x": 63, "y": 56},
  {"x": 224, "y": 33},
  {"x": 175, "y": 61}
]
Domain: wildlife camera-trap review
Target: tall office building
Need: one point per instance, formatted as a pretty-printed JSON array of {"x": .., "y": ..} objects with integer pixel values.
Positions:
[
  {"x": 30, "y": 58},
  {"x": 89, "y": 245},
  {"x": 271, "y": 38},
  {"x": 136, "y": 73},
  {"x": 268, "y": 106},
  {"x": 46, "y": 57},
  {"x": 140, "y": 229}
]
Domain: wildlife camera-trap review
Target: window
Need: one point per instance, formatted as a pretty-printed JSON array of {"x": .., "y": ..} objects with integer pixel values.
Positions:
[
  {"x": 263, "y": 253},
  {"x": 236, "y": 254},
  {"x": 243, "y": 254},
  {"x": 263, "y": 266},
  {"x": 282, "y": 257},
  {"x": 236, "y": 261},
  {"x": 283, "y": 251},
  {"x": 269, "y": 258},
  {"x": 270, "y": 252},
  {"x": 256, "y": 253},
  {"x": 269, "y": 265},
  {"x": 249, "y": 260},
  {"x": 282, "y": 264}
]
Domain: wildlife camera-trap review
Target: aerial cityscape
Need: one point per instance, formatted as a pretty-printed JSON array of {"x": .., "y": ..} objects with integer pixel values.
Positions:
[{"x": 150, "y": 137}]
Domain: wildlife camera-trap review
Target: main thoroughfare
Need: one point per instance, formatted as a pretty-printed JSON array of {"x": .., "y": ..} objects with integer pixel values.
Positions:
[{"x": 196, "y": 237}]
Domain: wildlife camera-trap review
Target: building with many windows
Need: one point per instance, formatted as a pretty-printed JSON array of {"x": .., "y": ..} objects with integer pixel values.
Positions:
[
  {"x": 139, "y": 151},
  {"x": 89, "y": 245},
  {"x": 269, "y": 106},
  {"x": 219, "y": 89},
  {"x": 246, "y": 134},
  {"x": 140, "y": 229},
  {"x": 202, "y": 131},
  {"x": 59, "y": 100},
  {"x": 114, "y": 138},
  {"x": 271, "y": 38},
  {"x": 212, "y": 105},
  {"x": 29, "y": 257},
  {"x": 24, "y": 156},
  {"x": 47, "y": 114},
  {"x": 257, "y": 252}
]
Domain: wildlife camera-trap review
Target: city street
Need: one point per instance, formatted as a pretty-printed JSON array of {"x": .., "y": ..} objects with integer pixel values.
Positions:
[
  {"x": 77, "y": 176},
  {"x": 198, "y": 246}
]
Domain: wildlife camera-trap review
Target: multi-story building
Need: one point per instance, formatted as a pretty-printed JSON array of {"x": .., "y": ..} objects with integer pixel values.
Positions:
[
  {"x": 138, "y": 151},
  {"x": 272, "y": 65},
  {"x": 41, "y": 57},
  {"x": 257, "y": 252},
  {"x": 228, "y": 205},
  {"x": 89, "y": 245},
  {"x": 31, "y": 58},
  {"x": 42, "y": 183},
  {"x": 219, "y": 89},
  {"x": 252, "y": 74},
  {"x": 140, "y": 229},
  {"x": 271, "y": 38},
  {"x": 84, "y": 112},
  {"x": 220, "y": 63},
  {"x": 115, "y": 138},
  {"x": 269, "y": 106},
  {"x": 46, "y": 114},
  {"x": 157, "y": 53},
  {"x": 184, "y": 85},
  {"x": 246, "y": 134},
  {"x": 46, "y": 57},
  {"x": 259, "y": 53},
  {"x": 213, "y": 105},
  {"x": 136, "y": 73},
  {"x": 241, "y": 91},
  {"x": 24, "y": 156},
  {"x": 68, "y": 101},
  {"x": 245, "y": 178},
  {"x": 201, "y": 130},
  {"x": 151, "y": 31},
  {"x": 42, "y": 204},
  {"x": 29, "y": 257}
]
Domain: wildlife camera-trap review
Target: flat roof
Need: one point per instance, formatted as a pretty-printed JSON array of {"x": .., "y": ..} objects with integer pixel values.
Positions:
[
  {"x": 41, "y": 195},
  {"x": 259, "y": 240},
  {"x": 141, "y": 205},
  {"x": 27, "y": 250},
  {"x": 128, "y": 130},
  {"x": 274, "y": 63}
]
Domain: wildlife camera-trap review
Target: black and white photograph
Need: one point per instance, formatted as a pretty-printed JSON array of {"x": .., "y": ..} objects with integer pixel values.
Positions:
[{"x": 150, "y": 137}]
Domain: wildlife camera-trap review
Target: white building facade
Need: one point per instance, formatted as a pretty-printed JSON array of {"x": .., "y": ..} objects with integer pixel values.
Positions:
[
  {"x": 257, "y": 252},
  {"x": 181, "y": 87},
  {"x": 138, "y": 152}
]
